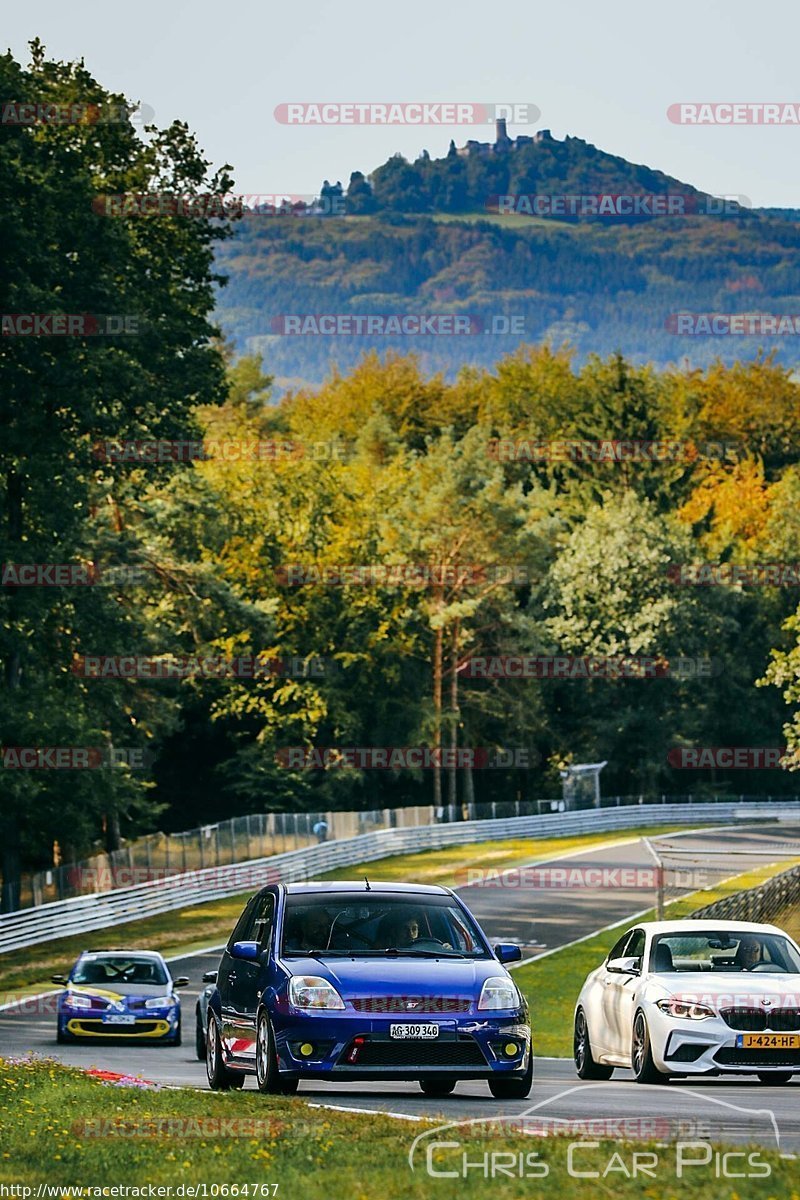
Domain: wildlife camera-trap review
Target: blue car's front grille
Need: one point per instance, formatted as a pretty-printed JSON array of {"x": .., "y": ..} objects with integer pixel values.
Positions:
[
  {"x": 463, "y": 1053},
  {"x": 411, "y": 1004}
]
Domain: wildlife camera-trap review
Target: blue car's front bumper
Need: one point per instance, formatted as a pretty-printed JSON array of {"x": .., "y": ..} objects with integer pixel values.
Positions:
[
  {"x": 324, "y": 1045},
  {"x": 155, "y": 1024}
]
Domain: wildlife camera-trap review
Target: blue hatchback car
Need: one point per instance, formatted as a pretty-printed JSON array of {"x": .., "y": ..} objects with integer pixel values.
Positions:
[
  {"x": 119, "y": 994},
  {"x": 366, "y": 981}
]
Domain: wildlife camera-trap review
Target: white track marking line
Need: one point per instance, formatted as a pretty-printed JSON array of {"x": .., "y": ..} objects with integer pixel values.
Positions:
[{"x": 372, "y": 1112}]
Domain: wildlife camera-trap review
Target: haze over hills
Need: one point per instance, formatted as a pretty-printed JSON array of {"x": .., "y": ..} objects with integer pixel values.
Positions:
[{"x": 527, "y": 240}]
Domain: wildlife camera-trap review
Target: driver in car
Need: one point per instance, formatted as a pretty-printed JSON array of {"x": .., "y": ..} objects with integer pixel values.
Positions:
[{"x": 750, "y": 953}]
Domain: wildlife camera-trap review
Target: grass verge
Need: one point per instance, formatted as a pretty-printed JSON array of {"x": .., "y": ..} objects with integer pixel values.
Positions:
[
  {"x": 552, "y": 984},
  {"x": 62, "y": 1128},
  {"x": 187, "y": 929}
]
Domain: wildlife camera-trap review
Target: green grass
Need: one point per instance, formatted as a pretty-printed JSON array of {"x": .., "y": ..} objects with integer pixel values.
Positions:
[
  {"x": 509, "y": 220},
  {"x": 201, "y": 925},
  {"x": 552, "y": 984},
  {"x": 59, "y": 1127}
]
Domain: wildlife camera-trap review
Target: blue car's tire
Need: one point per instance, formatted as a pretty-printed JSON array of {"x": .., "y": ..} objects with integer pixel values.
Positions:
[
  {"x": 513, "y": 1087},
  {"x": 63, "y": 1039},
  {"x": 176, "y": 1039},
  {"x": 199, "y": 1038},
  {"x": 437, "y": 1085},
  {"x": 220, "y": 1079},
  {"x": 268, "y": 1077}
]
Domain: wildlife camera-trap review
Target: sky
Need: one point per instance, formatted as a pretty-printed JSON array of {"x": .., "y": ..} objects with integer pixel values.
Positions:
[{"x": 603, "y": 72}]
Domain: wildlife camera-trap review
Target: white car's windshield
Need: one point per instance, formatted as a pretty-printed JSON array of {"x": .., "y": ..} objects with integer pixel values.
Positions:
[
  {"x": 361, "y": 924},
  {"x": 731, "y": 950}
]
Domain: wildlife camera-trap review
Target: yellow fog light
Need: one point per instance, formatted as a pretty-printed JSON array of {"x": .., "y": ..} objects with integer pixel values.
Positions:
[
  {"x": 511, "y": 1049},
  {"x": 306, "y": 1049}
]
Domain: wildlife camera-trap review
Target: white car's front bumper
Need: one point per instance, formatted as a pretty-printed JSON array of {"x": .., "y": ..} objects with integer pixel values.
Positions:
[{"x": 683, "y": 1047}]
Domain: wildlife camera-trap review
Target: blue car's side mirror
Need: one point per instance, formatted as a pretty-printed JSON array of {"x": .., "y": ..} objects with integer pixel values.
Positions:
[
  {"x": 247, "y": 950},
  {"x": 507, "y": 953}
]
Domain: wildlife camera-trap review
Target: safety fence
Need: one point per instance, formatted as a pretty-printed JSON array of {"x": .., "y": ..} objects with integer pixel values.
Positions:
[{"x": 113, "y": 908}]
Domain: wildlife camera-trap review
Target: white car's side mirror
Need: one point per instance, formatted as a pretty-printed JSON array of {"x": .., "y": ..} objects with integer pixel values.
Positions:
[{"x": 625, "y": 966}]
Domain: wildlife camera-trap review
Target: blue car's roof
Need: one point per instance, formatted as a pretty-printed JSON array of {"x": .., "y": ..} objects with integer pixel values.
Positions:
[
  {"x": 359, "y": 885},
  {"x": 122, "y": 950}
]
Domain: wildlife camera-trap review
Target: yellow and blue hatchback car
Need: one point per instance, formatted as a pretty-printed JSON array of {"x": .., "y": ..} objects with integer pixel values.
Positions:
[{"x": 122, "y": 994}]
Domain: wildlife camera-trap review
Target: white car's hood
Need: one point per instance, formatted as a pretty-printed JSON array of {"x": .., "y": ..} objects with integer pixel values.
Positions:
[{"x": 737, "y": 988}]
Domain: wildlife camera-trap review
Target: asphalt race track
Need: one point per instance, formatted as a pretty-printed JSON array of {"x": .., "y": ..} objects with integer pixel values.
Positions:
[{"x": 540, "y": 921}]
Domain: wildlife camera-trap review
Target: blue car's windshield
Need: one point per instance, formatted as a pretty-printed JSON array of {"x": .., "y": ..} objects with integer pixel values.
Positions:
[
  {"x": 104, "y": 969},
  {"x": 364, "y": 924}
]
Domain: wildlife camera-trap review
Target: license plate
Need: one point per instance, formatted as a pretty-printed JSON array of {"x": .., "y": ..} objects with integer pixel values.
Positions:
[
  {"x": 118, "y": 1019},
  {"x": 417, "y": 1032},
  {"x": 768, "y": 1041}
]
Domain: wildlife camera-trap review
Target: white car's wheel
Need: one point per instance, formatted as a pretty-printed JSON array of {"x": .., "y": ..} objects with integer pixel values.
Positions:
[
  {"x": 642, "y": 1065},
  {"x": 585, "y": 1065}
]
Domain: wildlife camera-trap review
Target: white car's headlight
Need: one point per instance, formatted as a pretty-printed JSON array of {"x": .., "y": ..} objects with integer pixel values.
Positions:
[
  {"x": 312, "y": 991},
  {"x": 160, "y": 1002},
  {"x": 685, "y": 1009},
  {"x": 499, "y": 992}
]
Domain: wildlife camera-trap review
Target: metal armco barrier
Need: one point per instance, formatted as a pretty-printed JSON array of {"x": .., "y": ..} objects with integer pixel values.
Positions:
[
  {"x": 103, "y": 910},
  {"x": 760, "y": 903}
]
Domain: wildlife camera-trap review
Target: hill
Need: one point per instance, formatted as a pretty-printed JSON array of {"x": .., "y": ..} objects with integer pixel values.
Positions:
[{"x": 472, "y": 235}]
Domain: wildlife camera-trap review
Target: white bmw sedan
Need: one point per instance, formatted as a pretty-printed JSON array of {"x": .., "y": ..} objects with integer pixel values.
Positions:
[{"x": 700, "y": 997}]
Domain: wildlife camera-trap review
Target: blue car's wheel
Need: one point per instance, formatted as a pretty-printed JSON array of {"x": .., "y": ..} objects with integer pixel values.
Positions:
[
  {"x": 220, "y": 1079},
  {"x": 268, "y": 1077},
  {"x": 513, "y": 1087},
  {"x": 199, "y": 1038},
  {"x": 437, "y": 1085}
]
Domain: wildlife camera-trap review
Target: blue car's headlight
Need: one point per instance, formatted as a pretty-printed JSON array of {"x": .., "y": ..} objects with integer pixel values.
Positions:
[
  {"x": 160, "y": 1002},
  {"x": 72, "y": 1001},
  {"x": 312, "y": 991},
  {"x": 499, "y": 992}
]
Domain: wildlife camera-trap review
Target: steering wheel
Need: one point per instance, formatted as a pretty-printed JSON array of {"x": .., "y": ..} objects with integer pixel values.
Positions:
[{"x": 773, "y": 968}]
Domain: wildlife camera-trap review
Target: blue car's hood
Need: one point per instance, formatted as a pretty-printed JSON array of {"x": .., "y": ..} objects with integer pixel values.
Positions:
[
  {"x": 352, "y": 977},
  {"x": 120, "y": 992}
]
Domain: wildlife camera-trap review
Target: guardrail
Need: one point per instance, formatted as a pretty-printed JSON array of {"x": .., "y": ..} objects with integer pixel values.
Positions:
[
  {"x": 261, "y": 835},
  {"x": 760, "y": 903},
  {"x": 104, "y": 910}
]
